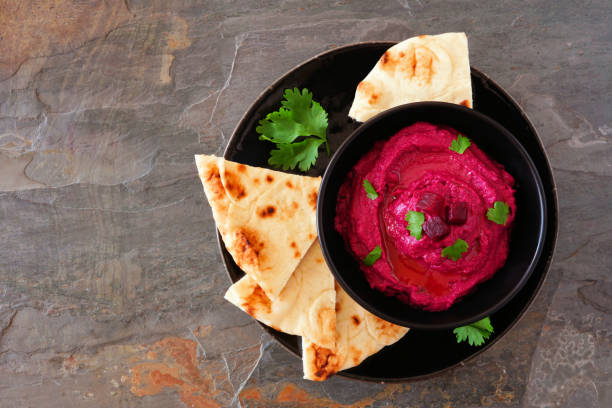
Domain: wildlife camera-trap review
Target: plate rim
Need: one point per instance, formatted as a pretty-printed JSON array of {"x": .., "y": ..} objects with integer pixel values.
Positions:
[{"x": 555, "y": 225}]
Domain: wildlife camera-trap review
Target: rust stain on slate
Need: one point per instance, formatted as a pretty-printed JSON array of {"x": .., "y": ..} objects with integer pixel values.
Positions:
[
  {"x": 294, "y": 396},
  {"x": 178, "y": 37},
  {"x": 31, "y": 29},
  {"x": 173, "y": 363}
]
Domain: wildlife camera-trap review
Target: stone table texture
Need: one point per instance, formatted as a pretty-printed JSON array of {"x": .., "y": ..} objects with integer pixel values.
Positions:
[{"x": 111, "y": 283}]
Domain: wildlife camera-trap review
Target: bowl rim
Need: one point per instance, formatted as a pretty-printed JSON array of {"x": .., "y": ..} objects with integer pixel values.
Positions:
[{"x": 543, "y": 215}]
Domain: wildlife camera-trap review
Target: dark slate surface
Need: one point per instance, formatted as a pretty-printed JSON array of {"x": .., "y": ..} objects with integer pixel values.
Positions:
[{"x": 110, "y": 279}]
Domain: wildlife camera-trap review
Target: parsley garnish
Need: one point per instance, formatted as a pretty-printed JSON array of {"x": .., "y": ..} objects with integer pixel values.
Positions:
[
  {"x": 454, "y": 251},
  {"x": 299, "y": 116},
  {"x": 460, "y": 144},
  {"x": 475, "y": 333},
  {"x": 372, "y": 256},
  {"x": 499, "y": 213},
  {"x": 415, "y": 223},
  {"x": 369, "y": 189}
]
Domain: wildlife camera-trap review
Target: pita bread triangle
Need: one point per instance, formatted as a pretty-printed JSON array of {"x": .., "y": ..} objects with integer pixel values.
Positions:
[
  {"x": 423, "y": 68},
  {"x": 305, "y": 307},
  {"x": 359, "y": 334},
  {"x": 266, "y": 218}
]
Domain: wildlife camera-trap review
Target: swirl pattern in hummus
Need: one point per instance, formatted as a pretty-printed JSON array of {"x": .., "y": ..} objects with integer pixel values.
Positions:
[{"x": 415, "y": 162}]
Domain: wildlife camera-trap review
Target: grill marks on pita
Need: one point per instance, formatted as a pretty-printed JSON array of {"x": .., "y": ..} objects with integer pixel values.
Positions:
[
  {"x": 423, "y": 68},
  {"x": 359, "y": 334},
  {"x": 266, "y": 227},
  {"x": 305, "y": 307},
  {"x": 416, "y": 63},
  {"x": 319, "y": 362},
  {"x": 257, "y": 302}
]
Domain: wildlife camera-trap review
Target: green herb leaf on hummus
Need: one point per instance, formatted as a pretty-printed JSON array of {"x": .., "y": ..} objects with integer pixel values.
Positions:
[
  {"x": 499, "y": 213},
  {"x": 475, "y": 333},
  {"x": 373, "y": 256},
  {"x": 454, "y": 251},
  {"x": 460, "y": 144},
  {"x": 415, "y": 223},
  {"x": 369, "y": 189},
  {"x": 300, "y": 117}
]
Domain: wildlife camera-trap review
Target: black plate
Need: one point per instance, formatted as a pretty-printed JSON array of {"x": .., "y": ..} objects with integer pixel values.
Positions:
[{"x": 333, "y": 77}]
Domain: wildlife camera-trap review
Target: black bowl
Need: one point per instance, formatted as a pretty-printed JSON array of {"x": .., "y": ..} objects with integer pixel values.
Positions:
[{"x": 526, "y": 239}]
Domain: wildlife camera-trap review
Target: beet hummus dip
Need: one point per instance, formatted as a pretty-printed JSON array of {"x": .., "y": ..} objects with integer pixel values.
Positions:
[{"x": 416, "y": 171}]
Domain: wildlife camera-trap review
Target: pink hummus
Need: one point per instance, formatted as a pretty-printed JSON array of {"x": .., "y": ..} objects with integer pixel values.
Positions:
[{"x": 413, "y": 164}]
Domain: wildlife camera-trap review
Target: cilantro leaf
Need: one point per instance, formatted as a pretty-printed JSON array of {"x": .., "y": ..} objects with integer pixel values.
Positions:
[
  {"x": 306, "y": 111},
  {"x": 297, "y": 101},
  {"x": 475, "y": 333},
  {"x": 279, "y": 127},
  {"x": 373, "y": 256},
  {"x": 415, "y": 223},
  {"x": 316, "y": 117},
  {"x": 299, "y": 117},
  {"x": 454, "y": 251},
  {"x": 460, "y": 144},
  {"x": 499, "y": 213},
  {"x": 302, "y": 154},
  {"x": 369, "y": 189}
]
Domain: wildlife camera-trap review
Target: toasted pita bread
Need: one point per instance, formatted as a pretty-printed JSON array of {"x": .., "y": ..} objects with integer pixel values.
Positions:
[
  {"x": 305, "y": 307},
  {"x": 266, "y": 218},
  {"x": 423, "y": 68},
  {"x": 359, "y": 334}
]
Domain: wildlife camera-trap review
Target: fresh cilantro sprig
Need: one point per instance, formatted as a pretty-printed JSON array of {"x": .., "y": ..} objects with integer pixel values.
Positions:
[
  {"x": 475, "y": 333},
  {"x": 454, "y": 251},
  {"x": 300, "y": 117},
  {"x": 373, "y": 256},
  {"x": 302, "y": 154},
  {"x": 370, "y": 190},
  {"x": 499, "y": 213},
  {"x": 460, "y": 144},
  {"x": 415, "y": 223}
]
